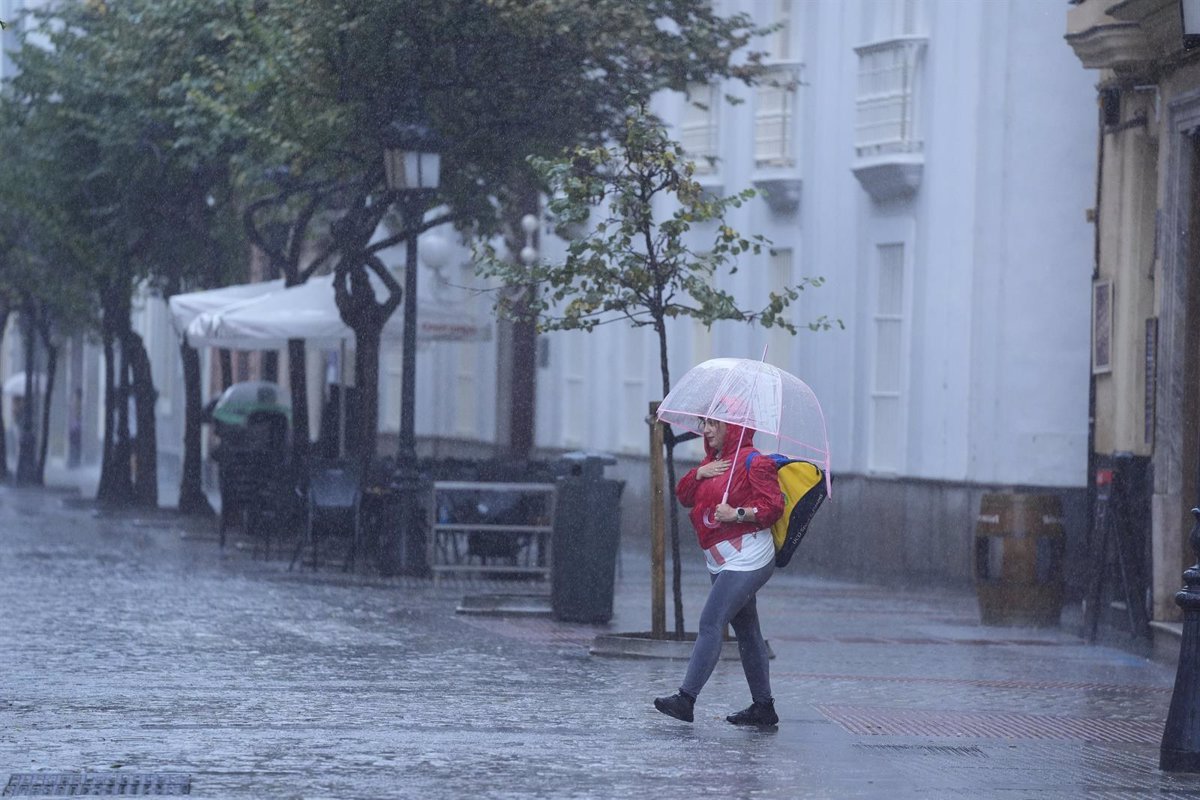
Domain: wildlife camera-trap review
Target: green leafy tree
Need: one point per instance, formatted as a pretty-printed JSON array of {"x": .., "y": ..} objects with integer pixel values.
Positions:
[
  {"x": 317, "y": 84},
  {"x": 634, "y": 264},
  {"x": 48, "y": 310},
  {"x": 125, "y": 182}
]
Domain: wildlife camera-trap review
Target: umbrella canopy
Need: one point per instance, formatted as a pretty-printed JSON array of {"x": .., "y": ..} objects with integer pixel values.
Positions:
[
  {"x": 14, "y": 386},
  {"x": 778, "y": 405},
  {"x": 240, "y": 400},
  {"x": 186, "y": 307},
  {"x": 309, "y": 311}
]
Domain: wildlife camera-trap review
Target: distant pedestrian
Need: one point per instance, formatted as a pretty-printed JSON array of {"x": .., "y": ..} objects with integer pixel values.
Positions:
[{"x": 735, "y": 534}]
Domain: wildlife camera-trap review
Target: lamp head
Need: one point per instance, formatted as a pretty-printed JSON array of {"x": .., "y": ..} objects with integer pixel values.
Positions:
[{"x": 411, "y": 156}]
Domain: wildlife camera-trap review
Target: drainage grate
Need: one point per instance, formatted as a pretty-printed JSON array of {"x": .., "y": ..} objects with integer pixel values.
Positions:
[
  {"x": 64, "y": 784},
  {"x": 910, "y": 722}
]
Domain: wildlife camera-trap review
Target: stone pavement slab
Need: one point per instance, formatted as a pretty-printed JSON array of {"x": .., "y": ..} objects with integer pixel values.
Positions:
[{"x": 130, "y": 644}]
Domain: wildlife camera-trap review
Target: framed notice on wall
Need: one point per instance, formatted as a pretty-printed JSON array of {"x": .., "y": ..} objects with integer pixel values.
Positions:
[{"x": 1102, "y": 318}]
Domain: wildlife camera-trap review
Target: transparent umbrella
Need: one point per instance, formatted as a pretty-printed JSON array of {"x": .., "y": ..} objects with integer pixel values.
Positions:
[{"x": 780, "y": 407}]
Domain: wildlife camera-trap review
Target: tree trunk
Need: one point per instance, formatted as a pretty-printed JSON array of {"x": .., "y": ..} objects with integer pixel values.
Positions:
[
  {"x": 122, "y": 480},
  {"x": 27, "y": 444},
  {"x": 51, "y": 368},
  {"x": 107, "y": 448},
  {"x": 676, "y": 566},
  {"x": 226, "y": 359},
  {"x": 145, "y": 443},
  {"x": 366, "y": 378},
  {"x": 4, "y": 313},
  {"x": 298, "y": 378},
  {"x": 192, "y": 499},
  {"x": 116, "y": 482}
]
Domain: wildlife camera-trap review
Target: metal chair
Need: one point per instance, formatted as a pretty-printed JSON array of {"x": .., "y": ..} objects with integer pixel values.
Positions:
[{"x": 333, "y": 509}]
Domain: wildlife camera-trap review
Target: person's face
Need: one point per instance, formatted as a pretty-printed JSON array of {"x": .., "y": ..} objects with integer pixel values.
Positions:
[{"x": 714, "y": 433}]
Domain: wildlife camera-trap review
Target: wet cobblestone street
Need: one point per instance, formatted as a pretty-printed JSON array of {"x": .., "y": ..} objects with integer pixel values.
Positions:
[{"x": 131, "y": 643}]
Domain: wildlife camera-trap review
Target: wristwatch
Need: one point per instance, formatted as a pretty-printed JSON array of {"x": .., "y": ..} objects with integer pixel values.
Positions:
[{"x": 741, "y": 514}]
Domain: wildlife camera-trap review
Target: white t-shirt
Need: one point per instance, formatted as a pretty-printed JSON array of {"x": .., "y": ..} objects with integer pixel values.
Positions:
[{"x": 744, "y": 553}]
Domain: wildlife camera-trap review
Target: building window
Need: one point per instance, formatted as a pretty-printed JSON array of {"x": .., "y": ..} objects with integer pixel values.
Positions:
[
  {"x": 890, "y": 66},
  {"x": 888, "y": 80},
  {"x": 699, "y": 129},
  {"x": 780, "y": 341},
  {"x": 887, "y": 424},
  {"x": 774, "y": 116}
]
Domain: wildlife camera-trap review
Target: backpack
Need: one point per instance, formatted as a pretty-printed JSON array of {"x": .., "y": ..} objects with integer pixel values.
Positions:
[{"x": 803, "y": 487}]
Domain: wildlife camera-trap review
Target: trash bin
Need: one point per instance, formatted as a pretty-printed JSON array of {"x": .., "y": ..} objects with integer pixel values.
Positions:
[{"x": 587, "y": 529}]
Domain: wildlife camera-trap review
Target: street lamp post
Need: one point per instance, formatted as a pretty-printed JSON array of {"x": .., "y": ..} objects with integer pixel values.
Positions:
[{"x": 412, "y": 164}]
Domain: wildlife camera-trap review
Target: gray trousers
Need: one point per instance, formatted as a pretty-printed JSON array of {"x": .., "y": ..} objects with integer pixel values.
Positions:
[{"x": 731, "y": 601}]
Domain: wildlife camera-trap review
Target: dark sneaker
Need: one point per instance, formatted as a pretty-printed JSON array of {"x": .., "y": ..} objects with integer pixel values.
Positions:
[
  {"x": 678, "y": 705},
  {"x": 756, "y": 714}
]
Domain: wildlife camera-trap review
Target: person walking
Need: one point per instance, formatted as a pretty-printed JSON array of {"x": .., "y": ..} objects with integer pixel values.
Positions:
[{"x": 735, "y": 535}]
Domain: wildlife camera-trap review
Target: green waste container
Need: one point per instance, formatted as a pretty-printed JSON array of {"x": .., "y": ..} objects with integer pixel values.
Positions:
[{"x": 587, "y": 530}]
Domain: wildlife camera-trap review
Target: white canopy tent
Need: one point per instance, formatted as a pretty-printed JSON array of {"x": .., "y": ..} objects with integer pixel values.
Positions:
[
  {"x": 308, "y": 311},
  {"x": 186, "y": 307},
  {"x": 267, "y": 319}
]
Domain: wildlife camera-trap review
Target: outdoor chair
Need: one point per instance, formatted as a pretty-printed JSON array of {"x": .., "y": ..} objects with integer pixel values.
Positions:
[{"x": 333, "y": 509}]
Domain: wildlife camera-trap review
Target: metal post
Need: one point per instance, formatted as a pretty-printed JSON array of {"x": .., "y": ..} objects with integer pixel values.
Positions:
[
  {"x": 1180, "y": 750},
  {"x": 408, "y": 477},
  {"x": 407, "y": 452},
  {"x": 658, "y": 569}
]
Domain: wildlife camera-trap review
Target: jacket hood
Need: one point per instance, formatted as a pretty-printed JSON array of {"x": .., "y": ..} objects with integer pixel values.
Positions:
[{"x": 732, "y": 434}]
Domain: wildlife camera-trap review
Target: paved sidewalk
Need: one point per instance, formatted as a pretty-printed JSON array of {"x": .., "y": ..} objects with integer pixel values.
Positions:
[{"x": 130, "y": 645}]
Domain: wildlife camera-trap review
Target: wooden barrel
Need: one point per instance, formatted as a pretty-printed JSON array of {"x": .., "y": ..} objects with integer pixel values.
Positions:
[{"x": 1019, "y": 546}]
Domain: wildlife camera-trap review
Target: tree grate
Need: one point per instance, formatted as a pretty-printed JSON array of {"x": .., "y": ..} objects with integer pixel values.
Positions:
[{"x": 67, "y": 784}]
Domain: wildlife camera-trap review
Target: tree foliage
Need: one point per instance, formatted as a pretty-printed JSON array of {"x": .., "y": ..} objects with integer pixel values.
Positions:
[
  {"x": 630, "y": 264},
  {"x": 124, "y": 189},
  {"x": 315, "y": 87},
  {"x": 154, "y": 120}
]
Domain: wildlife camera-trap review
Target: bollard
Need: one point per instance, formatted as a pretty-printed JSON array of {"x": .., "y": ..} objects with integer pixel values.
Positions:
[{"x": 1180, "y": 750}]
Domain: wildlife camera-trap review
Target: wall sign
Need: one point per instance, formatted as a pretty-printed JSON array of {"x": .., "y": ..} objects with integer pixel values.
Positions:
[{"x": 1102, "y": 320}]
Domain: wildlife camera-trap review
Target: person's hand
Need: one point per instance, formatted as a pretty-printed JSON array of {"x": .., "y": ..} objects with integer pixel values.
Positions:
[
  {"x": 712, "y": 469},
  {"x": 725, "y": 513}
]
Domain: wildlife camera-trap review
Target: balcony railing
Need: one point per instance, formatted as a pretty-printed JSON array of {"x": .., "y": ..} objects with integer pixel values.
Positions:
[
  {"x": 889, "y": 75},
  {"x": 775, "y": 116}
]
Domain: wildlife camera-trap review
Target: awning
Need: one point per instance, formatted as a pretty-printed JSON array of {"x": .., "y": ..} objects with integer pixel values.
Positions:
[
  {"x": 186, "y": 307},
  {"x": 309, "y": 311}
]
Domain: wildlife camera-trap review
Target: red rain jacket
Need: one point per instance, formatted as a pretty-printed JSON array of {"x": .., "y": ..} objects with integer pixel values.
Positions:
[{"x": 756, "y": 488}]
